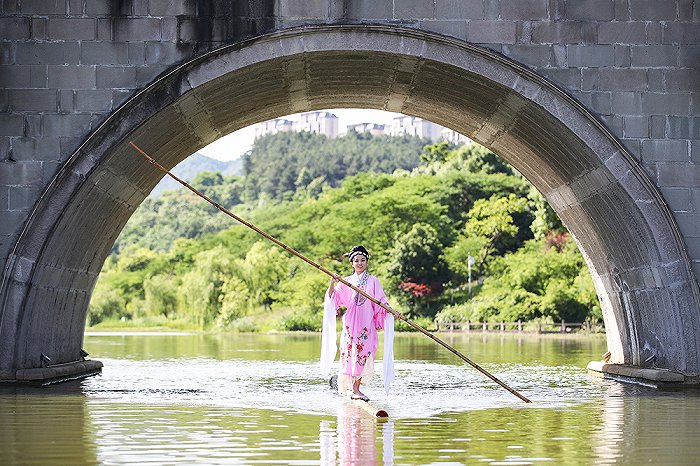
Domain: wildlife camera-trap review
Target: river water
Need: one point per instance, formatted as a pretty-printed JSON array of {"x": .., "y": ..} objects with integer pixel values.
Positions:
[{"x": 259, "y": 399}]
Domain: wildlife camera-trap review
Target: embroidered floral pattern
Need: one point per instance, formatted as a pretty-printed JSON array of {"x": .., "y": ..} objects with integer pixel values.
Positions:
[{"x": 353, "y": 347}]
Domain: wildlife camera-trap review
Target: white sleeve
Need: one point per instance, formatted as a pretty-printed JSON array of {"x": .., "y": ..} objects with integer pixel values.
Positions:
[
  {"x": 328, "y": 337},
  {"x": 388, "y": 362}
]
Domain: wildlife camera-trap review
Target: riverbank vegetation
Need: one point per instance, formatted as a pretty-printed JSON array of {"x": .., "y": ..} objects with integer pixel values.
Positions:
[{"x": 421, "y": 210}]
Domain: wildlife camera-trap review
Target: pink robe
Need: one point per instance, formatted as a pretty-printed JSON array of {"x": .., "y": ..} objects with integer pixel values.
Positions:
[{"x": 359, "y": 339}]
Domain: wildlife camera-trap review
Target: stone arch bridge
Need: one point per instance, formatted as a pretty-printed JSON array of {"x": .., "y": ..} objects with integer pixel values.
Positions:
[{"x": 596, "y": 102}]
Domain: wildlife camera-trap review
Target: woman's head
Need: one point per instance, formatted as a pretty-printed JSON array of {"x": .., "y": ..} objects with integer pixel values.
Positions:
[{"x": 358, "y": 257}]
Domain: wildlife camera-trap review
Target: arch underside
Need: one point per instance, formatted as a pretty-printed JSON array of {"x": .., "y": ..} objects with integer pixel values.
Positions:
[{"x": 633, "y": 248}]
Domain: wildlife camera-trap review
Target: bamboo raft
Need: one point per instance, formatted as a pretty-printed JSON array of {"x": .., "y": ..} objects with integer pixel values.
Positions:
[{"x": 365, "y": 405}]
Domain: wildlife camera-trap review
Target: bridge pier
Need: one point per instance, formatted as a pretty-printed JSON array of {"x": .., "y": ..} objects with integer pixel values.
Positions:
[
  {"x": 648, "y": 377},
  {"x": 55, "y": 373}
]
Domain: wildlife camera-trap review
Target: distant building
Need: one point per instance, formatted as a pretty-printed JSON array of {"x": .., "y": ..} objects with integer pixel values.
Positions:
[
  {"x": 373, "y": 128},
  {"x": 414, "y": 126},
  {"x": 273, "y": 127},
  {"x": 324, "y": 123},
  {"x": 454, "y": 137}
]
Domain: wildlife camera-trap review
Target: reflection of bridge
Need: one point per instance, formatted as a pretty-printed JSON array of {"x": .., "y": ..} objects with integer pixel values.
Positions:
[{"x": 590, "y": 101}]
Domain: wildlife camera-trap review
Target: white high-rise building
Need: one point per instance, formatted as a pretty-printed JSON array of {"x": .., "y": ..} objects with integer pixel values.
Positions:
[
  {"x": 324, "y": 123},
  {"x": 273, "y": 127},
  {"x": 414, "y": 126},
  {"x": 374, "y": 129},
  {"x": 454, "y": 137}
]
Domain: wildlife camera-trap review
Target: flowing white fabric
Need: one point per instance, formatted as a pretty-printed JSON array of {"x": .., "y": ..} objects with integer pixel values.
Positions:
[
  {"x": 388, "y": 356},
  {"x": 328, "y": 337}
]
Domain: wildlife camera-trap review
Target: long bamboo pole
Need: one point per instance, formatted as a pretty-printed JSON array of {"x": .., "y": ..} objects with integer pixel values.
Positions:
[{"x": 328, "y": 272}]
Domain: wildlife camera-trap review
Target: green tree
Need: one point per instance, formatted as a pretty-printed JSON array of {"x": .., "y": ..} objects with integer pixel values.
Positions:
[{"x": 490, "y": 222}]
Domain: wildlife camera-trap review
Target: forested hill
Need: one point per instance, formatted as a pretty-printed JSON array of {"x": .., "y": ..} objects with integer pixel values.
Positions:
[
  {"x": 279, "y": 164},
  {"x": 194, "y": 164}
]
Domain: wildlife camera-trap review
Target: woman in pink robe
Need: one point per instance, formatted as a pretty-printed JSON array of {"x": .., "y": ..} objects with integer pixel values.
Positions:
[{"x": 361, "y": 320}]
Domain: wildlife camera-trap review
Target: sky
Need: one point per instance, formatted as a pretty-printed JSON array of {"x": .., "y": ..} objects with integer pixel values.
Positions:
[{"x": 234, "y": 145}]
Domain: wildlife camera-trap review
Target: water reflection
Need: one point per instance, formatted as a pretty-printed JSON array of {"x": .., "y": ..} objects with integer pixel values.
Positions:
[
  {"x": 355, "y": 439},
  {"x": 40, "y": 425}
]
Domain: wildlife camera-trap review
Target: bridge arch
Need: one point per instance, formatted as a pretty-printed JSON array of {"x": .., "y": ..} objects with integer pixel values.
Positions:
[{"x": 635, "y": 252}]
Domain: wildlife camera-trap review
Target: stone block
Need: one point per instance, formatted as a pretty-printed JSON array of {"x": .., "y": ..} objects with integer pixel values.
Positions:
[
  {"x": 682, "y": 127},
  {"x": 456, "y": 29},
  {"x": 43, "y": 7},
  {"x": 658, "y": 126},
  {"x": 664, "y": 151},
  {"x": 47, "y": 53},
  {"x": 688, "y": 224},
  {"x": 66, "y": 100},
  {"x": 140, "y": 8},
  {"x": 627, "y": 103},
  {"x": 695, "y": 151},
  {"x": 115, "y": 77},
  {"x": 146, "y": 74},
  {"x": 459, "y": 9},
  {"x": 39, "y": 76},
  {"x": 621, "y": 9},
  {"x": 682, "y": 80},
  {"x": 491, "y": 32},
  {"x": 119, "y": 96},
  {"x": 681, "y": 33},
  {"x": 103, "y": 53},
  {"x": 4, "y": 198},
  {"x": 590, "y": 56},
  {"x": 635, "y": 126},
  {"x": 72, "y": 28},
  {"x": 370, "y": 9},
  {"x": 532, "y": 55},
  {"x": 650, "y": 10},
  {"x": 689, "y": 56},
  {"x": 23, "y": 198},
  {"x": 20, "y": 173},
  {"x": 305, "y": 9},
  {"x": 75, "y": 7},
  {"x": 622, "y": 56},
  {"x": 15, "y": 28},
  {"x": 695, "y": 199},
  {"x": 11, "y": 222},
  {"x": 137, "y": 51},
  {"x": 7, "y": 53},
  {"x": 103, "y": 8},
  {"x": 654, "y": 33},
  {"x": 654, "y": 56},
  {"x": 33, "y": 100},
  {"x": 104, "y": 29},
  {"x": 179, "y": 7},
  {"x": 93, "y": 100},
  {"x": 136, "y": 29},
  {"x": 559, "y": 32},
  {"x": 12, "y": 76},
  {"x": 596, "y": 10},
  {"x": 524, "y": 9},
  {"x": 678, "y": 199},
  {"x": 35, "y": 149},
  {"x": 11, "y": 125},
  {"x": 414, "y": 9},
  {"x": 492, "y": 9},
  {"x": 65, "y": 125},
  {"x": 665, "y": 104},
  {"x": 613, "y": 80},
  {"x": 621, "y": 33},
  {"x": 72, "y": 77},
  {"x": 569, "y": 79}
]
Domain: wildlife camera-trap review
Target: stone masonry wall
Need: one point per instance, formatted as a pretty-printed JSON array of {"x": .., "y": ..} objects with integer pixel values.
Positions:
[{"x": 65, "y": 65}]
